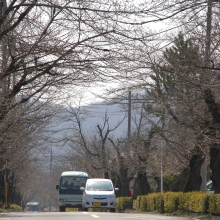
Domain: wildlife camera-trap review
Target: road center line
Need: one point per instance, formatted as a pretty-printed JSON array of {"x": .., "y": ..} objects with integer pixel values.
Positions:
[{"x": 95, "y": 216}]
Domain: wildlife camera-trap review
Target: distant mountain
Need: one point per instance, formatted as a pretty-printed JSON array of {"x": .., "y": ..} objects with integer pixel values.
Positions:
[
  {"x": 115, "y": 113},
  {"x": 93, "y": 115}
]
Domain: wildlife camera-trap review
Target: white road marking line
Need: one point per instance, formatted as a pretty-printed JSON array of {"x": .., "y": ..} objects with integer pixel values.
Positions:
[
  {"x": 95, "y": 216},
  {"x": 138, "y": 217}
]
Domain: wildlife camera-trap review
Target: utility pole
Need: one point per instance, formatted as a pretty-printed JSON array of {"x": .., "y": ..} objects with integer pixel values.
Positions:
[
  {"x": 161, "y": 166},
  {"x": 129, "y": 115},
  {"x": 207, "y": 63},
  {"x": 51, "y": 162}
]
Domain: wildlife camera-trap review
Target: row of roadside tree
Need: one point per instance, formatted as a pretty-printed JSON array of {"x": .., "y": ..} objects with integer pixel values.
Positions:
[{"x": 51, "y": 50}]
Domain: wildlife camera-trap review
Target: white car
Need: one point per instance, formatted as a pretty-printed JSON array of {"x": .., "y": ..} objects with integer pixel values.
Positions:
[
  {"x": 99, "y": 193},
  {"x": 209, "y": 187}
]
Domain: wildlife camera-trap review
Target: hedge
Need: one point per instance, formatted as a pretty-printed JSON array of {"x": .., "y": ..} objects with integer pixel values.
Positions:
[
  {"x": 123, "y": 203},
  {"x": 169, "y": 202}
]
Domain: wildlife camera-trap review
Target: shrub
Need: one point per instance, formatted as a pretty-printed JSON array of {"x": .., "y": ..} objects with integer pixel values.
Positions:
[
  {"x": 136, "y": 203},
  {"x": 143, "y": 203},
  {"x": 194, "y": 201},
  {"x": 199, "y": 202},
  {"x": 214, "y": 204},
  {"x": 169, "y": 181},
  {"x": 159, "y": 202},
  {"x": 171, "y": 201},
  {"x": 151, "y": 202},
  {"x": 15, "y": 208},
  {"x": 123, "y": 203}
]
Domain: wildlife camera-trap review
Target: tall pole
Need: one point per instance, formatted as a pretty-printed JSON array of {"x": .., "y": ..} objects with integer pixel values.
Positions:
[
  {"x": 161, "y": 169},
  {"x": 206, "y": 63},
  {"x": 129, "y": 115},
  {"x": 51, "y": 161}
]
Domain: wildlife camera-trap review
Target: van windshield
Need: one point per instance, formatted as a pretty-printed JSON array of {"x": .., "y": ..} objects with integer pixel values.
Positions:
[
  {"x": 99, "y": 186},
  {"x": 70, "y": 184}
]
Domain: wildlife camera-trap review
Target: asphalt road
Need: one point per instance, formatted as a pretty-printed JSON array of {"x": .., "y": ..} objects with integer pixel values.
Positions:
[{"x": 85, "y": 216}]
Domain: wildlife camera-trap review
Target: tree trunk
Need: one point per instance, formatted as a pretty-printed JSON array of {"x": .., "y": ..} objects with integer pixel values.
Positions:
[
  {"x": 2, "y": 189},
  {"x": 214, "y": 150},
  {"x": 124, "y": 182},
  {"x": 141, "y": 185},
  {"x": 106, "y": 175},
  {"x": 215, "y": 167},
  {"x": 194, "y": 180},
  {"x": 181, "y": 182}
]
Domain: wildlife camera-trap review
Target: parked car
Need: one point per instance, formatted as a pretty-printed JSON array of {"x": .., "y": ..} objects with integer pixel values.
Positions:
[
  {"x": 209, "y": 187},
  {"x": 99, "y": 193}
]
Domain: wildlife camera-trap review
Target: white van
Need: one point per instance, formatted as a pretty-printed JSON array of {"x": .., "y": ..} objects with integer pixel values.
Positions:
[
  {"x": 70, "y": 194},
  {"x": 99, "y": 193},
  {"x": 209, "y": 187}
]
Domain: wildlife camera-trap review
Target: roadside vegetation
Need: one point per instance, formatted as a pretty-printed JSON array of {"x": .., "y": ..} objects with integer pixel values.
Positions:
[{"x": 159, "y": 60}]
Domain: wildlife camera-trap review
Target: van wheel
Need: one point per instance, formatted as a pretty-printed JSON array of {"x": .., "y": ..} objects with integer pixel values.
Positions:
[
  {"x": 112, "y": 209},
  {"x": 62, "y": 208}
]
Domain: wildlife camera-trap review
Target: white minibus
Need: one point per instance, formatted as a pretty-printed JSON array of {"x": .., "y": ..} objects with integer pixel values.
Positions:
[{"x": 70, "y": 194}]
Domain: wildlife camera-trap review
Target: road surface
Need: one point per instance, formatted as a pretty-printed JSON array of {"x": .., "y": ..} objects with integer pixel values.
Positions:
[{"x": 85, "y": 216}]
